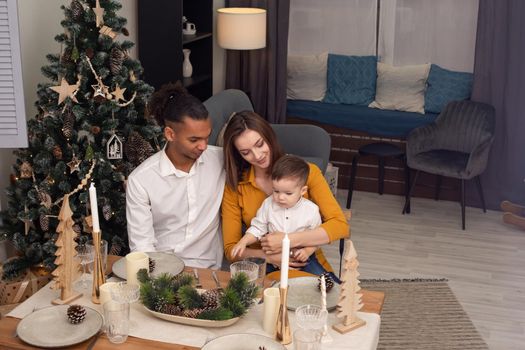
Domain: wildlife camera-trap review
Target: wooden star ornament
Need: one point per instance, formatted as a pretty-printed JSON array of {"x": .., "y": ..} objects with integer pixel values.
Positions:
[
  {"x": 99, "y": 14},
  {"x": 74, "y": 164},
  {"x": 119, "y": 93},
  {"x": 65, "y": 90}
]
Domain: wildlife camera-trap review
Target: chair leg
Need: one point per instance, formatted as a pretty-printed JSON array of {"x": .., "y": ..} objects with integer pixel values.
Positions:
[
  {"x": 463, "y": 204},
  {"x": 480, "y": 190},
  {"x": 352, "y": 180},
  {"x": 381, "y": 175},
  {"x": 407, "y": 184},
  {"x": 407, "y": 201},
  {"x": 341, "y": 251},
  {"x": 439, "y": 178}
]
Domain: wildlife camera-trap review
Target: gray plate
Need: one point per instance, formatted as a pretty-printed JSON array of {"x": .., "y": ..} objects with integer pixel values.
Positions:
[
  {"x": 303, "y": 290},
  {"x": 164, "y": 262},
  {"x": 243, "y": 341},
  {"x": 50, "y": 328}
]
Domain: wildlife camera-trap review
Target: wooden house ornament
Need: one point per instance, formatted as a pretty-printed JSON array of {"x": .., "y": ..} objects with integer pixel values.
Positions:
[{"x": 114, "y": 148}]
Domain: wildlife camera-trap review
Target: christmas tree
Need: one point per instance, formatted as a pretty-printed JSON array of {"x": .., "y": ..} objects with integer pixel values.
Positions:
[{"x": 91, "y": 125}]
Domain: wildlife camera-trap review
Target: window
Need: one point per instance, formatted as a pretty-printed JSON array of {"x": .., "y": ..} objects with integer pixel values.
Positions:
[{"x": 12, "y": 110}]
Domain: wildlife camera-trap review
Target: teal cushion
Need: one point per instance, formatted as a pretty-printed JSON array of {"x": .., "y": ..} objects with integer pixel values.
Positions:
[
  {"x": 351, "y": 79},
  {"x": 444, "y": 86}
]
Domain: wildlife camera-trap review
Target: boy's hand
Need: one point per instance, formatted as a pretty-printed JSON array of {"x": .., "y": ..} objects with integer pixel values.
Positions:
[
  {"x": 301, "y": 255},
  {"x": 238, "y": 250}
]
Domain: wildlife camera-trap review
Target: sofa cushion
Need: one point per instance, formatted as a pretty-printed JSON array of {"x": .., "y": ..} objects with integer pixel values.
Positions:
[
  {"x": 359, "y": 118},
  {"x": 306, "y": 77},
  {"x": 351, "y": 79},
  {"x": 444, "y": 86},
  {"x": 401, "y": 88}
]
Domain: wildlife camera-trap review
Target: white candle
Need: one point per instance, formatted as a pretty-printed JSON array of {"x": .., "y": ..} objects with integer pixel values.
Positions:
[
  {"x": 94, "y": 207},
  {"x": 285, "y": 257},
  {"x": 134, "y": 262}
]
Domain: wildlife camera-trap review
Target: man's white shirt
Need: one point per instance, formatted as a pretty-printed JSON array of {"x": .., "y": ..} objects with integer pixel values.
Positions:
[
  {"x": 170, "y": 210},
  {"x": 304, "y": 215}
]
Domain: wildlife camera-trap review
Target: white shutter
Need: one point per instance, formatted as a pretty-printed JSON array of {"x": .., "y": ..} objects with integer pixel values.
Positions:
[{"x": 12, "y": 110}]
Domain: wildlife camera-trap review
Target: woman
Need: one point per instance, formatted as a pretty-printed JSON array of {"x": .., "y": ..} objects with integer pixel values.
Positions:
[{"x": 250, "y": 150}]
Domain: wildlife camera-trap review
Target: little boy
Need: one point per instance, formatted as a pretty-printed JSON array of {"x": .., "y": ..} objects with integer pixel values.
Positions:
[{"x": 286, "y": 210}]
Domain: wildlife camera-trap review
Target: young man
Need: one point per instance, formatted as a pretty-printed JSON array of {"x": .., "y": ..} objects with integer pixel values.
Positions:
[{"x": 173, "y": 198}]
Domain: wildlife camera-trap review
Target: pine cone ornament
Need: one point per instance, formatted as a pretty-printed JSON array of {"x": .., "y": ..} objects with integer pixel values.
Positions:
[
  {"x": 137, "y": 149},
  {"x": 69, "y": 124},
  {"x": 151, "y": 265},
  {"x": 160, "y": 304},
  {"x": 107, "y": 212},
  {"x": 26, "y": 170},
  {"x": 57, "y": 152},
  {"x": 329, "y": 282},
  {"x": 76, "y": 314},
  {"x": 172, "y": 309},
  {"x": 125, "y": 31},
  {"x": 66, "y": 56},
  {"x": 44, "y": 222},
  {"x": 116, "y": 58},
  {"x": 77, "y": 10},
  {"x": 192, "y": 313},
  {"x": 211, "y": 299},
  {"x": 90, "y": 52}
]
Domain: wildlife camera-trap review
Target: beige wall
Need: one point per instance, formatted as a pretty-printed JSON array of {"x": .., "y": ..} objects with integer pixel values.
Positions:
[{"x": 39, "y": 23}]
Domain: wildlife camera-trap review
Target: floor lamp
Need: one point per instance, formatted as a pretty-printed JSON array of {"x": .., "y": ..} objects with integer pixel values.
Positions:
[{"x": 241, "y": 28}]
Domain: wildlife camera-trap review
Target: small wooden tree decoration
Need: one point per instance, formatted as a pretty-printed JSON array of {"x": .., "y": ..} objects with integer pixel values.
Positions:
[
  {"x": 68, "y": 268},
  {"x": 349, "y": 299}
]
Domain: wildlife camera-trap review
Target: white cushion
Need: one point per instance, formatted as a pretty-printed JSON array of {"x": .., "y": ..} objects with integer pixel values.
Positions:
[
  {"x": 401, "y": 88},
  {"x": 306, "y": 78}
]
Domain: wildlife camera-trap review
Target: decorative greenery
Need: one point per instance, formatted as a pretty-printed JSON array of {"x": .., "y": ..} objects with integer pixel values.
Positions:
[
  {"x": 176, "y": 295},
  {"x": 71, "y": 130}
]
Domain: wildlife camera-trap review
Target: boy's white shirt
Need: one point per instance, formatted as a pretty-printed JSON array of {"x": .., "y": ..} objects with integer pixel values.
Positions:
[{"x": 304, "y": 215}]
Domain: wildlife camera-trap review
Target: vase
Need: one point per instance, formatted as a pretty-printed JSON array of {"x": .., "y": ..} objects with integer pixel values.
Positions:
[{"x": 187, "y": 68}]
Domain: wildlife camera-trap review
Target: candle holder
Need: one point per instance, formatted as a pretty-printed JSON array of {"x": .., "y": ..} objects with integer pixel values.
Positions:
[
  {"x": 99, "y": 277},
  {"x": 283, "y": 332}
]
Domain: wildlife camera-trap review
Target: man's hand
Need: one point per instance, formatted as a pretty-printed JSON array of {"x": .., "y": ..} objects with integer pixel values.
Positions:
[
  {"x": 274, "y": 259},
  {"x": 272, "y": 243}
]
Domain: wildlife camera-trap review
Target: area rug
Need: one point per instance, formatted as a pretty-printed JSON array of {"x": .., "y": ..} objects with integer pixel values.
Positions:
[{"x": 423, "y": 314}]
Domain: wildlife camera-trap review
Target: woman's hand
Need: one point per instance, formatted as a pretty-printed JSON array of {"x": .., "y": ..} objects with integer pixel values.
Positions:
[
  {"x": 274, "y": 259},
  {"x": 272, "y": 243}
]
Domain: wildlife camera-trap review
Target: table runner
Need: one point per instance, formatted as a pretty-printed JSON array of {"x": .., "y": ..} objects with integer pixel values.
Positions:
[{"x": 146, "y": 326}]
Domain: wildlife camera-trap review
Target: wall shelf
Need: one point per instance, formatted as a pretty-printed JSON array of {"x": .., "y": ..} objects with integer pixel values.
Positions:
[{"x": 186, "y": 39}]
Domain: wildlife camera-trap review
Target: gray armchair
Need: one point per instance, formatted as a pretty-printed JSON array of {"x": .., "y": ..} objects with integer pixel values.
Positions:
[
  {"x": 456, "y": 145},
  {"x": 309, "y": 142}
]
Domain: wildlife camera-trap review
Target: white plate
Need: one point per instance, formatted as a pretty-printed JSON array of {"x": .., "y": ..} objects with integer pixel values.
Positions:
[
  {"x": 50, "y": 328},
  {"x": 193, "y": 321},
  {"x": 164, "y": 262},
  {"x": 303, "y": 290},
  {"x": 243, "y": 341}
]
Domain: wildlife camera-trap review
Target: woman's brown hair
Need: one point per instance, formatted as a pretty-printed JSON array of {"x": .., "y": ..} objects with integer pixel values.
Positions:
[{"x": 234, "y": 163}]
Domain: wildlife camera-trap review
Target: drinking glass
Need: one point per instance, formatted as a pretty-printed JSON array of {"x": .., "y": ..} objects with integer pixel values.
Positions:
[
  {"x": 123, "y": 292},
  {"x": 103, "y": 253},
  {"x": 261, "y": 263},
  {"x": 307, "y": 339},
  {"x": 311, "y": 317},
  {"x": 116, "y": 321},
  {"x": 86, "y": 255},
  {"x": 251, "y": 269}
]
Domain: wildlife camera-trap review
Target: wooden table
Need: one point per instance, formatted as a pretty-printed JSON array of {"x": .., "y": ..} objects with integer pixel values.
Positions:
[{"x": 372, "y": 302}]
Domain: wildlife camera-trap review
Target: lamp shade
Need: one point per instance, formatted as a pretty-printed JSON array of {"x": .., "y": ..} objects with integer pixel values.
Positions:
[{"x": 241, "y": 28}]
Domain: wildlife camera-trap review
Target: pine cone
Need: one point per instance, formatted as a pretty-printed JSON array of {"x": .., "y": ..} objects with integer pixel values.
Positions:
[
  {"x": 151, "y": 265},
  {"x": 76, "y": 314},
  {"x": 77, "y": 10},
  {"x": 116, "y": 58},
  {"x": 69, "y": 124},
  {"x": 44, "y": 222},
  {"x": 171, "y": 309},
  {"x": 90, "y": 52},
  {"x": 211, "y": 299},
  {"x": 66, "y": 56},
  {"x": 107, "y": 212},
  {"x": 57, "y": 152},
  {"x": 329, "y": 282},
  {"x": 125, "y": 31},
  {"x": 192, "y": 313},
  {"x": 137, "y": 149}
]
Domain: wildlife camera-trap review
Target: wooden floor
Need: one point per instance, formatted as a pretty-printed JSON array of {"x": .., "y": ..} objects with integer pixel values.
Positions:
[{"x": 485, "y": 264}]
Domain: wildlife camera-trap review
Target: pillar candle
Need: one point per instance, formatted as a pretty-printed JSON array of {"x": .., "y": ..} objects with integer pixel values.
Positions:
[
  {"x": 285, "y": 257},
  {"x": 94, "y": 207},
  {"x": 134, "y": 262}
]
